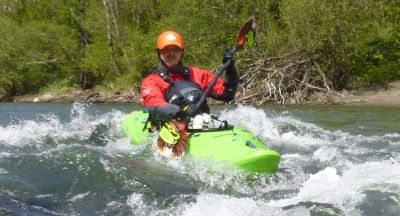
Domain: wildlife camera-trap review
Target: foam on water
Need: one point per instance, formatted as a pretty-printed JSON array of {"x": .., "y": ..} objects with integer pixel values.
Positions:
[
  {"x": 137, "y": 204},
  {"x": 318, "y": 166},
  {"x": 78, "y": 197},
  {"x": 346, "y": 190},
  {"x": 326, "y": 154},
  {"x": 286, "y": 133},
  {"x": 213, "y": 204},
  {"x": 276, "y": 130},
  {"x": 25, "y": 131},
  {"x": 80, "y": 127},
  {"x": 334, "y": 148},
  {"x": 252, "y": 119}
]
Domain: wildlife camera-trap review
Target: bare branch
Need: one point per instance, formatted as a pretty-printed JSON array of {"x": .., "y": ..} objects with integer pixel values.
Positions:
[
  {"x": 292, "y": 78},
  {"x": 43, "y": 62}
]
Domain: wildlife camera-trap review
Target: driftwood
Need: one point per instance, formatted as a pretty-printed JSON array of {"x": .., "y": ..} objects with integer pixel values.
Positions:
[{"x": 295, "y": 78}]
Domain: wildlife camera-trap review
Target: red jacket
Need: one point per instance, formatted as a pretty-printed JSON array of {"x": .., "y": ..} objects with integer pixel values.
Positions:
[{"x": 153, "y": 87}]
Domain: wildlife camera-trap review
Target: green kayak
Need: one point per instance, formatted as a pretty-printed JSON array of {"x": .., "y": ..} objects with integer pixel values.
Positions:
[{"x": 216, "y": 141}]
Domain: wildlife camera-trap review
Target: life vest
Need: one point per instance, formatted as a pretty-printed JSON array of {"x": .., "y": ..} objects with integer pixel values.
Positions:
[{"x": 182, "y": 92}]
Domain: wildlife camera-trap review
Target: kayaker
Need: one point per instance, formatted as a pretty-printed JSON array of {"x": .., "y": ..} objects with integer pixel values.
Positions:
[{"x": 172, "y": 89}]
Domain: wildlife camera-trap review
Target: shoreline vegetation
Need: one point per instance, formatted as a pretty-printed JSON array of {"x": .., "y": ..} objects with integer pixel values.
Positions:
[{"x": 305, "y": 52}]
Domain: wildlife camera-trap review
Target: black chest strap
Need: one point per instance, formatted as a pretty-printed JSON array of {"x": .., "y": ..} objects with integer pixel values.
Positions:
[
  {"x": 163, "y": 73},
  {"x": 186, "y": 75}
]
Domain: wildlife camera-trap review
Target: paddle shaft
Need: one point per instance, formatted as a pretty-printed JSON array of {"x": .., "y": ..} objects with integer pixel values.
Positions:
[{"x": 216, "y": 76}]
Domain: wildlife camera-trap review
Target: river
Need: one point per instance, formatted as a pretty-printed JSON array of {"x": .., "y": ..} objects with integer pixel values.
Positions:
[{"x": 72, "y": 159}]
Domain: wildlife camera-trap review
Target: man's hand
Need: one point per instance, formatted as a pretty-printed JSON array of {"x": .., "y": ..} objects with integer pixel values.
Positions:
[
  {"x": 228, "y": 55},
  {"x": 187, "y": 112}
]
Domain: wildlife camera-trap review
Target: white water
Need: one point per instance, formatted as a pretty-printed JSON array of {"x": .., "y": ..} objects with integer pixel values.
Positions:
[{"x": 322, "y": 166}]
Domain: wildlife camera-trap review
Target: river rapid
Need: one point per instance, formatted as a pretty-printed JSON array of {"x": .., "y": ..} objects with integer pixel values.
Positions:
[{"x": 72, "y": 159}]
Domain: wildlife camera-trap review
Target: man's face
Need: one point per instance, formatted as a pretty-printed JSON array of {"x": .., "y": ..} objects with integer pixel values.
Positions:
[{"x": 171, "y": 55}]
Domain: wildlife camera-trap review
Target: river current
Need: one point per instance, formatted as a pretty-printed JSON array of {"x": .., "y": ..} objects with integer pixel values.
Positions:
[{"x": 72, "y": 159}]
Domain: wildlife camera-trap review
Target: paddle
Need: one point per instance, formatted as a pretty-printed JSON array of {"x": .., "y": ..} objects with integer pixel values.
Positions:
[{"x": 245, "y": 36}]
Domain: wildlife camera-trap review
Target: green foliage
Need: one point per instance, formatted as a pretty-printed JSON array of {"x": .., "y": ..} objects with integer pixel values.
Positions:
[
  {"x": 59, "y": 86},
  {"x": 37, "y": 53},
  {"x": 86, "y": 43},
  {"x": 34, "y": 52},
  {"x": 352, "y": 38}
]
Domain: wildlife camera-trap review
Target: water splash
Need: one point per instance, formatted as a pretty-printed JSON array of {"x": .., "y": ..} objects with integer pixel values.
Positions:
[
  {"x": 346, "y": 190},
  {"x": 212, "y": 204},
  {"x": 321, "y": 170},
  {"x": 50, "y": 128}
]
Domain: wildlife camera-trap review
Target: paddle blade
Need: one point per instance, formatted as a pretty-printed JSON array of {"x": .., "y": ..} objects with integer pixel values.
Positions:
[
  {"x": 169, "y": 133},
  {"x": 247, "y": 33},
  {"x": 172, "y": 140}
]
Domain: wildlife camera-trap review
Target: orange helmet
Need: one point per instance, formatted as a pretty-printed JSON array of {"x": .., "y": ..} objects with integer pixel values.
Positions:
[{"x": 169, "y": 38}]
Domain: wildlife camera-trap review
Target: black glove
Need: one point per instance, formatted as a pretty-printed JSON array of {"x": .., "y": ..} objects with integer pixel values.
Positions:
[
  {"x": 228, "y": 55},
  {"x": 190, "y": 110},
  {"x": 187, "y": 112}
]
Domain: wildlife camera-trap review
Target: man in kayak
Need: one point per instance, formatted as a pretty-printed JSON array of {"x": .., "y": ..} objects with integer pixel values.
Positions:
[{"x": 172, "y": 90}]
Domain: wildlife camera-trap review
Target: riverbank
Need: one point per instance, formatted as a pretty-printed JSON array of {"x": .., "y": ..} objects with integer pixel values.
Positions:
[
  {"x": 368, "y": 97},
  {"x": 376, "y": 97},
  {"x": 71, "y": 96}
]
